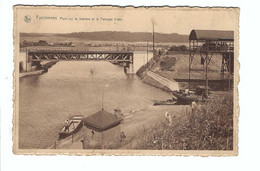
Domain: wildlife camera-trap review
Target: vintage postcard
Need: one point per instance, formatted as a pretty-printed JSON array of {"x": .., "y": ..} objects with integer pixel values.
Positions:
[{"x": 104, "y": 80}]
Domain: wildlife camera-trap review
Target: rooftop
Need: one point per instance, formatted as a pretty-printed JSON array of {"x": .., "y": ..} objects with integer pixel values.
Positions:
[
  {"x": 102, "y": 121},
  {"x": 215, "y": 35}
]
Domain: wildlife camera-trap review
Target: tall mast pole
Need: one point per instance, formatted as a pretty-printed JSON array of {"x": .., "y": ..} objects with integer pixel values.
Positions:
[
  {"x": 102, "y": 99},
  {"x": 207, "y": 81},
  {"x": 229, "y": 71},
  {"x": 26, "y": 58},
  {"x": 189, "y": 60},
  {"x": 153, "y": 39},
  {"x": 147, "y": 52}
]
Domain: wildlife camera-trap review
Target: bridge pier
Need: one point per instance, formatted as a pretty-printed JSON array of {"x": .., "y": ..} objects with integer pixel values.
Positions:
[
  {"x": 29, "y": 66},
  {"x": 129, "y": 68}
]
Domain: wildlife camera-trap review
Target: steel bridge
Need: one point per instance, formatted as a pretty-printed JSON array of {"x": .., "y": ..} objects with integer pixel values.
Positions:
[
  {"x": 124, "y": 57},
  {"x": 118, "y": 56}
]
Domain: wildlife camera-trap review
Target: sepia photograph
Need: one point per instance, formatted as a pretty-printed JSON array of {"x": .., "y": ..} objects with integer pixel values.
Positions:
[{"x": 126, "y": 81}]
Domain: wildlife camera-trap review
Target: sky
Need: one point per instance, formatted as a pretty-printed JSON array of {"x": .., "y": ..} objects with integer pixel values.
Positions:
[{"x": 166, "y": 20}]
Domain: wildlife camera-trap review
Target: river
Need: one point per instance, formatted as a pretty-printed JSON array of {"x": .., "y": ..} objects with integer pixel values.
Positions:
[{"x": 74, "y": 87}]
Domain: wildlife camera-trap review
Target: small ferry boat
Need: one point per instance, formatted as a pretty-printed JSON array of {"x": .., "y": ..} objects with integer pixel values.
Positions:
[
  {"x": 72, "y": 125},
  {"x": 184, "y": 98},
  {"x": 188, "y": 96},
  {"x": 165, "y": 102}
]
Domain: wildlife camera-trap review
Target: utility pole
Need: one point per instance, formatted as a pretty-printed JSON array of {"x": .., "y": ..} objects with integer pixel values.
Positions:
[
  {"x": 26, "y": 58},
  {"x": 102, "y": 99},
  {"x": 153, "y": 39},
  {"x": 229, "y": 71},
  {"x": 189, "y": 60},
  {"x": 207, "y": 81},
  {"x": 147, "y": 52}
]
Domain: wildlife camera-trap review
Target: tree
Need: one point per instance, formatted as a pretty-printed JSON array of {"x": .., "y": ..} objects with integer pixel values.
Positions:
[
  {"x": 173, "y": 48},
  {"x": 21, "y": 66},
  {"x": 182, "y": 48}
]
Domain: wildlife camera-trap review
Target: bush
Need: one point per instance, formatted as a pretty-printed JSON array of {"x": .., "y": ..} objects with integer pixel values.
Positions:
[
  {"x": 167, "y": 63},
  {"x": 173, "y": 48},
  {"x": 182, "y": 48},
  {"x": 178, "y": 48}
]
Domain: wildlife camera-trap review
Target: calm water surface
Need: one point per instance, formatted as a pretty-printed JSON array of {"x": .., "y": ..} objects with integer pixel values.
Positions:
[{"x": 69, "y": 88}]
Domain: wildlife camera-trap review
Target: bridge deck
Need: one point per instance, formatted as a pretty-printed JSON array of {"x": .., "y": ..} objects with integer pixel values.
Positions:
[
  {"x": 80, "y": 52},
  {"x": 42, "y": 55}
]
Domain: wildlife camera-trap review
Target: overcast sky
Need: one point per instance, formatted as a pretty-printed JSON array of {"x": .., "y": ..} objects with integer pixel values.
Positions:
[{"x": 167, "y": 20}]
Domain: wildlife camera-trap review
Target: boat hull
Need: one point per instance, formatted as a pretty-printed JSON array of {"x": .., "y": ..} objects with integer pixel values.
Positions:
[
  {"x": 75, "y": 123},
  {"x": 186, "y": 99},
  {"x": 166, "y": 102}
]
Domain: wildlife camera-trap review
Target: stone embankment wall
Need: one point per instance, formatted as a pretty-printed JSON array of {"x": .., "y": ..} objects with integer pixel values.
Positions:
[
  {"x": 149, "y": 76},
  {"x": 171, "y": 85},
  {"x": 45, "y": 66},
  {"x": 31, "y": 73}
]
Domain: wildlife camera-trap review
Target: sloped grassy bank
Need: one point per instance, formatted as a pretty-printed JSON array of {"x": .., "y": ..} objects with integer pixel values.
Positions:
[{"x": 207, "y": 127}]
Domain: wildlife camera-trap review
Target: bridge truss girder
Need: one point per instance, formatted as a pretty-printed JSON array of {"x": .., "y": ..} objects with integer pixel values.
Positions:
[{"x": 69, "y": 56}]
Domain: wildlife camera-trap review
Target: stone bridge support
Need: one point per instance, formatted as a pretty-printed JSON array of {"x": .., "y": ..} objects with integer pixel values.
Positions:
[{"x": 129, "y": 68}]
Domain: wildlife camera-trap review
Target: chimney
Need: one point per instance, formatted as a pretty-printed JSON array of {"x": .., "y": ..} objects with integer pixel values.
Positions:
[{"x": 117, "y": 112}]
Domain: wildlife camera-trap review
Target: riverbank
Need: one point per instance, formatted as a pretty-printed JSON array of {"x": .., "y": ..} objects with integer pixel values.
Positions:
[
  {"x": 202, "y": 127},
  {"x": 45, "y": 66},
  {"x": 174, "y": 67},
  {"x": 31, "y": 73},
  {"x": 133, "y": 123},
  {"x": 149, "y": 73}
]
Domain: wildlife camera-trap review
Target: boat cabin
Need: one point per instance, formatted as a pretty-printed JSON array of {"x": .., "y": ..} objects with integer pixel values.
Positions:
[{"x": 201, "y": 89}]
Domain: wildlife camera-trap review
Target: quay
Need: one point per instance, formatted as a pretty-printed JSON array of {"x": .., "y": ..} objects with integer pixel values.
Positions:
[{"x": 171, "y": 85}]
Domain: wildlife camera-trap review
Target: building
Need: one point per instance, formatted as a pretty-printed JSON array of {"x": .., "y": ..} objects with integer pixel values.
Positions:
[{"x": 104, "y": 128}]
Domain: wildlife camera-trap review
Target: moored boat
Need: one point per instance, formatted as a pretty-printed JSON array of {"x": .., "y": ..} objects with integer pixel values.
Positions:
[
  {"x": 72, "y": 125},
  {"x": 165, "y": 102},
  {"x": 187, "y": 98}
]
